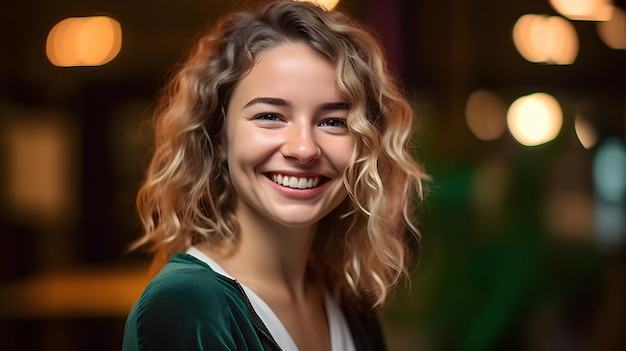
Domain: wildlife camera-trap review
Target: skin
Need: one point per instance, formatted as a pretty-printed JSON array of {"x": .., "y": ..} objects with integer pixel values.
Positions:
[{"x": 285, "y": 118}]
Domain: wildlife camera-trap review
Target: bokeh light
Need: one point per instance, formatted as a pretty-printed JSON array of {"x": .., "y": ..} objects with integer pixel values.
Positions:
[
  {"x": 535, "y": 119},
  {"x": 609, "y": 171},
  {"x": 549, "y": 39},
  {"x": 613, "y": 31},
  {"x": 584, "y": 10},
  {"x": 84, "y": 41},
  {"x": 327, "y": 4},
  {"x": 585, "y": 131},
  {"x": 569, "y": 214},
  {"x": 485, "y": 114}
]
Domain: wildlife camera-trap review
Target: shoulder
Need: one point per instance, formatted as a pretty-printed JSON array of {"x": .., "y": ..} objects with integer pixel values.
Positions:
[
  {"x": 185, "y": 280},
  {"x": 188, "y": 288},
  {"x": 186, "y": 299}
]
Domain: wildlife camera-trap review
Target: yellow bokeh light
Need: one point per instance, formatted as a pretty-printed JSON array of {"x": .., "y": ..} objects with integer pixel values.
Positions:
[
  {"x": 485, "y": 114},
  {"x": 613, "y": 31},
  {"x": 585, "y": 132},
  {"x": 584, "y": 10},
  {"x": 535, "y": 119},
  {"x": 84, "y": 41},
  {"x": 550, "y": 39},
  {"x": 327, "y": 4}
]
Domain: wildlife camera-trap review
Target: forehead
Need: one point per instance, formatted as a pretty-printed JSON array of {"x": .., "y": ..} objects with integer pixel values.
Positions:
[{"x": 290, "y": 70}]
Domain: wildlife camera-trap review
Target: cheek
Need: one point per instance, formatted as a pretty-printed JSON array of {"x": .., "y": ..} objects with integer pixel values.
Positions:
[
  {"x": 248, "y": 149},
  {"x": 340, "y": 153}
]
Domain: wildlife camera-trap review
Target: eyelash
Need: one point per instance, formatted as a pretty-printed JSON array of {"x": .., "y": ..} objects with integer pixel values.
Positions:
[
  {"x": 342, "y": 121},
  {"x": 264, "y": 117},
  {"x": 272, "y": 117}
]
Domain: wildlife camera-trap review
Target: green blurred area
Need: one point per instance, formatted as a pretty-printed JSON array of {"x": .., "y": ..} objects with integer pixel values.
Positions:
[{"x": 495, "y": 277}]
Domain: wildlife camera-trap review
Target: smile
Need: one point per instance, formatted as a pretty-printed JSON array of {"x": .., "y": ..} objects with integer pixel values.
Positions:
[{"x": 295, "y": 182}]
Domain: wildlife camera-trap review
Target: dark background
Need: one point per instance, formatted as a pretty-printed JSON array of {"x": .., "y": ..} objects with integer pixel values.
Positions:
[{"x": 495, "y": 273}]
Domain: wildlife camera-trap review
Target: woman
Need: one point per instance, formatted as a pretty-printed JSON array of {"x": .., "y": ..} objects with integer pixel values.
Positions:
[{"x": 282, "y": 172}]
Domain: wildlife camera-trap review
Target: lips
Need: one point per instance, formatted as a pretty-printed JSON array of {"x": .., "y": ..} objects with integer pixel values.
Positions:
[{"x": 295, "y": 182}]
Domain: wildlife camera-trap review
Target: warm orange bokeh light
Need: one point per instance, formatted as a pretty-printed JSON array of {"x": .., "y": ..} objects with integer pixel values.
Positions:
[
  {"x": 59, "y": 43},
  {"x": 535, "y": 119},
  {"x": 91, "y": 50},
  {"x": 40, "y": 160},
  {"x": 84, "y": 41},
  {"x": 585, "y": 132},
  {"x": 550, "y": 39},
  {"x": 522, "y": 38},
  {"x": 613, "y": 31},
  {"x": 584, "y": 10},
  {"x": 76, "y": 292},
  {"x": 327, "y": 4},
  {"x": 485, "y": 114}
]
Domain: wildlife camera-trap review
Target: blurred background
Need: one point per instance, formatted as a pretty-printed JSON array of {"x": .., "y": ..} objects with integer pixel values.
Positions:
[{"x": 521, "y": 122}]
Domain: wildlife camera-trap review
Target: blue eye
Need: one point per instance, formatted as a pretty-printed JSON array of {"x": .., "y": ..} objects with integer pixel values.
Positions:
[{"x": 335, "y": 123}]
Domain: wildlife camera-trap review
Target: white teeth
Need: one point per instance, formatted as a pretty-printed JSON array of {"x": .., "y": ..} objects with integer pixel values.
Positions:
[
  {"x": 295, "y": 182},
  {"x": 302, "y": 184}
]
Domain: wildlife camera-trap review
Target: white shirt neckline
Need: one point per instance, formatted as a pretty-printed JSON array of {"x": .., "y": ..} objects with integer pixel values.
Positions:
[{"x": 339, "y": 332}]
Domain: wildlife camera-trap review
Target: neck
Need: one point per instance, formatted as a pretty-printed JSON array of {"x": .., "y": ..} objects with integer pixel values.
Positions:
[{"x": 269, "y": 257}]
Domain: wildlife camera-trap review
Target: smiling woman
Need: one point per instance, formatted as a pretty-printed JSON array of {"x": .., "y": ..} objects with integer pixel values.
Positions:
[{"x": 280, "y": 191}]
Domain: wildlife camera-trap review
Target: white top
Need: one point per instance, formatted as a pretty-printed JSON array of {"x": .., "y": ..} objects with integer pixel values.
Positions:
[{"x": 340, "y": 336}]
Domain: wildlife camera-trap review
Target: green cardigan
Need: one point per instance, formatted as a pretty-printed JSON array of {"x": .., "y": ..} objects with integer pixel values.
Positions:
[{"x": 188, "y": 306}]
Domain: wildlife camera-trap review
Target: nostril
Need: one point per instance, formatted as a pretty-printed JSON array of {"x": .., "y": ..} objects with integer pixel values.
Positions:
[
  {"x": 302, "y": 154},
  {"x": 300, "y": 144}
]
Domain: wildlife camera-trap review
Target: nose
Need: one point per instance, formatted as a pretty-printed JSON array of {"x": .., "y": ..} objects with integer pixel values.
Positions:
[{"x": 300, "y": 144}]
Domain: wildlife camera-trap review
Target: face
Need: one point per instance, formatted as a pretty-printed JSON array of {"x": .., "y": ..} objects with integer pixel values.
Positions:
[{"x": 287, "y": 141}]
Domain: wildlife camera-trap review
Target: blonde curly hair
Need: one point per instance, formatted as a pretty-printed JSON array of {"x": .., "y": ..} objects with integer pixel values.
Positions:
[{"x": 187, "y": 196}]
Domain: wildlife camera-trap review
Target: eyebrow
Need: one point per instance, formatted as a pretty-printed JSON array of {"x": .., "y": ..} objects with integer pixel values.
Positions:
[
  {"x": 329, "y": 106},
  {"x": 268, "y": 101},
  {"x": 334, "y": 106}
]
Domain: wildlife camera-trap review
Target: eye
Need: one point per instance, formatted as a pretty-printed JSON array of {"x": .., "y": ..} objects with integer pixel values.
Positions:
[
  {"x": 269, "y": 117},
  {"x": 335, "y": 123}
]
